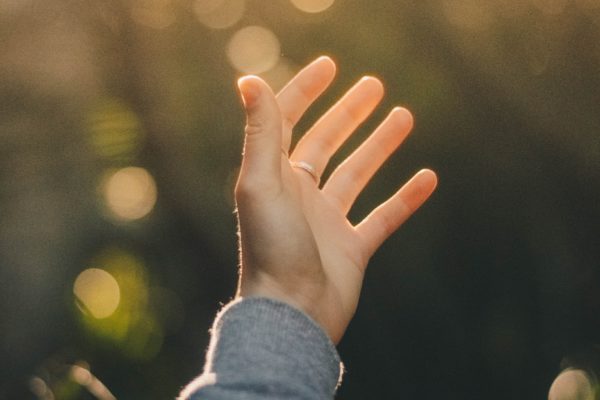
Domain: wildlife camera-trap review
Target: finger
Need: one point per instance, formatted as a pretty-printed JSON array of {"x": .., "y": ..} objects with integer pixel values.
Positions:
[
  {"x": 386, "y": 218},
  {"x": 262, "y": 155},
  {"x": 329, "y": 132},
  {"x": 350, "y": 177},
  {"x": 301, "y": 92}
]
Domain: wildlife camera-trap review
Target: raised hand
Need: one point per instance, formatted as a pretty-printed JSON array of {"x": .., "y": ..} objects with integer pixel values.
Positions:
[{"x": 296, "y": 242}]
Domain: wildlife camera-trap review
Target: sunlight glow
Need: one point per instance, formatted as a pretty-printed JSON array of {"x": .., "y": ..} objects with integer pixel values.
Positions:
[
  {"x": 219, "y": 14},
  {"x": 253, "y": 50},
  {"x": 312, "y": 6},
  {"x": 552, "y": 7},
  {"x": 130, "y": 193},
  {"x": 97, "y": 292},
  {"x": 157, "y": 14},
  {"x": 278, "y": 76},
  {"x": 572, "y": 384}
]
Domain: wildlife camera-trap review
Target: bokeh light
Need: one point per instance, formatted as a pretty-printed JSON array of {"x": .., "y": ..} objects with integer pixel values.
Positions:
[
  {"x": 219, "y": 14},
  {"x": 468, "y": 14},
  {"x": 114, "y": 130},
  {"x": 134, "y": 326},
  {"x": 278, "y": 76},
  {"x": 157, "y": 14},
  {"x": 572, "y": 384},
  {"x": 97, "y": 292},
  {"x": 253, "y": 50},
  {"x": 312, "y": 6},
  {"x": 130, "y": 193},
  {"x": 505, "y": 94}
]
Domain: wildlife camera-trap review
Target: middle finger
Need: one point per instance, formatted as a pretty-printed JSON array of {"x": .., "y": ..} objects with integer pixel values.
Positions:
[{"x": 322, "y": 140}]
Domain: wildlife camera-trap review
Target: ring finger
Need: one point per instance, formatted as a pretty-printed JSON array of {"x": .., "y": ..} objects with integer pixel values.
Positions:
[
  {"x": 322, "y": 140},
  {"x": 351, "y": 176}
]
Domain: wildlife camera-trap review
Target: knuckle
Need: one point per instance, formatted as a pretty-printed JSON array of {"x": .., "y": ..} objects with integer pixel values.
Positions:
[
  {"x": 250, "y": 187},
  {"x": 388, "y": 226},
  {"x": 253, "y": 128},
  {"x": 244, "y": 189}
]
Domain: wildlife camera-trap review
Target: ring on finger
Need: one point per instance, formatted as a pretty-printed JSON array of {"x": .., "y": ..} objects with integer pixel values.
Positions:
[{"x": 303, "y": 165}]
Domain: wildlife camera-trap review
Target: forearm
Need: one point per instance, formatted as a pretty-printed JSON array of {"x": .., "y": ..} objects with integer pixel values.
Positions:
[{"x": 264, "y": 349}]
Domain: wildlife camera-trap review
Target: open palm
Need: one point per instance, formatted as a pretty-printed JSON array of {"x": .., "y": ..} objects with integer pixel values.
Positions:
[{"x": 296, "y": 242}]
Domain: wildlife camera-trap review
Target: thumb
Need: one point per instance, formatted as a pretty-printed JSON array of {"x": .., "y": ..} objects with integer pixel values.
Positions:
[{"x": 262, "y": 147}]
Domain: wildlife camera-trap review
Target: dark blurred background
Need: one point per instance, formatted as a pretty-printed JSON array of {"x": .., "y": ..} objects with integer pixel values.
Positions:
[{"x": 120, "y": 135}]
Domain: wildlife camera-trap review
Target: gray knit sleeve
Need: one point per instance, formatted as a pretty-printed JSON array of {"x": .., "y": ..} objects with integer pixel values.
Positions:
[{"x": 264, "y": 349}]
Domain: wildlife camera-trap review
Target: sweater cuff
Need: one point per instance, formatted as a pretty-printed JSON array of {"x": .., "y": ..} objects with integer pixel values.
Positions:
[{"x": 262, "y": 342}]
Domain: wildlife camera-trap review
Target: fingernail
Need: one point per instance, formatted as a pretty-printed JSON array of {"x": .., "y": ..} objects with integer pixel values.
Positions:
[{"x": 248, "y": 90}]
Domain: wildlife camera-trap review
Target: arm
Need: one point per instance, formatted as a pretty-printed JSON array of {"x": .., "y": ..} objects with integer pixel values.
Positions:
[
  {"x": 296, "y": 245},
  {"x": 265, "y": 349}
]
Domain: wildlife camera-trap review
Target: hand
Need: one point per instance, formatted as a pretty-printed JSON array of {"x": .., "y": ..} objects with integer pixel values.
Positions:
[{"x": 296, "y": 243}]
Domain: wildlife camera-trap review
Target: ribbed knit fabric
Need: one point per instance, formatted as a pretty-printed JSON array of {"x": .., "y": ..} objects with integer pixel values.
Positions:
[{"x": 265, "y": 349}]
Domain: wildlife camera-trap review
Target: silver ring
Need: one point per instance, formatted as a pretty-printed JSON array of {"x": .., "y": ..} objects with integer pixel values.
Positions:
[{"x": 306, "y": 167}]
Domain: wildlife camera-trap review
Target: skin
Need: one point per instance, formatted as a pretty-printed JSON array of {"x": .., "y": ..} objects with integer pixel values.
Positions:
[
  {"x": 296, "y": 243},
  {"x": 572, "y": 384}
]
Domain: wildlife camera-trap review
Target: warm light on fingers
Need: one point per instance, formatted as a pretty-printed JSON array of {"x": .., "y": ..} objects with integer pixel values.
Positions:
[
  {"x": 350, "y": 178},
  {"x": 421, "y": 185},
  {"x": 386, "y": 218}
]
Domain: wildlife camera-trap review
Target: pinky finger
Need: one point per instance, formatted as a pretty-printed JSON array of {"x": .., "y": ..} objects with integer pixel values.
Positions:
[{"x": 385, "y": 219}]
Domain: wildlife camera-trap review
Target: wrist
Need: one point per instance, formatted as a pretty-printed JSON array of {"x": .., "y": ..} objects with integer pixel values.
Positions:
[
  {"x": 300, "y": 297},
  {"x": 277, "y": 294}
]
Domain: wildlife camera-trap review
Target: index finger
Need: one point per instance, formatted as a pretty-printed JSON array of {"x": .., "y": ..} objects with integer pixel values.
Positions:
[{"x": 295, "y": 98}]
